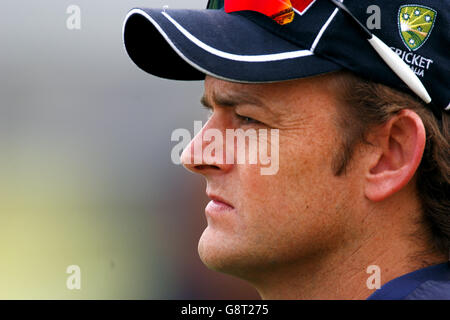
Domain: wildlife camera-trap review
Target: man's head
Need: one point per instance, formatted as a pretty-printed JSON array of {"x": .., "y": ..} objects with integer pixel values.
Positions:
[
  {"x": 336, "y": 185},
  {"x": 362, "y": 157},
  {"x": 276, "y": 218}
]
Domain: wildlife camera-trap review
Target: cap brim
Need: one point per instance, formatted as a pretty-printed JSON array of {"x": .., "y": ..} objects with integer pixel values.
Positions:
[{"x": 187, "y": 44}]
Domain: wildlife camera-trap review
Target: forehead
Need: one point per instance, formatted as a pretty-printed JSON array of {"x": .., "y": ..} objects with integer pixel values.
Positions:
[
  {"x": 215, "y": 86},
  {"x": 287, "y": 96}
]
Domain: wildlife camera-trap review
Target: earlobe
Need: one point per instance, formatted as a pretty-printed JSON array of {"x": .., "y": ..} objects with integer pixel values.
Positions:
[{"x": 399, "y": 146}]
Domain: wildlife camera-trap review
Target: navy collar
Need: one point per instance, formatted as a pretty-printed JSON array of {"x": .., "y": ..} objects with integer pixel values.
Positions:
[{"x": 431, "y": 282}]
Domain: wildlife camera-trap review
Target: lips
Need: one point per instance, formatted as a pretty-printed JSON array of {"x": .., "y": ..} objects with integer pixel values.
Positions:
[
  {"x": 217, "y": 205},
  {"x": 219, "y": 200}
]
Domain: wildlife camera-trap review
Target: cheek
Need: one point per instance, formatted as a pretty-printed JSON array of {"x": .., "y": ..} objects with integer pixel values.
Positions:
[
  {"x": 296, "y": 201},
  {"x": 308, "y": 178},
  {"x": 305, "y": 172}
]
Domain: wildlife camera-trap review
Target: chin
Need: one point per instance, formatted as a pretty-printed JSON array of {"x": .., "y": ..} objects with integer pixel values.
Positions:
[
  {"x": 214, "y": 251},
  {"x": 225, "y": 254}
]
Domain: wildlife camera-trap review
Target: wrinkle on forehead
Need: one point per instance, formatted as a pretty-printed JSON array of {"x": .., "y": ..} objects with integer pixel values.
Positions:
[
  {"x": 230, "y": 94},
  {"x": 283, "y": 100}
]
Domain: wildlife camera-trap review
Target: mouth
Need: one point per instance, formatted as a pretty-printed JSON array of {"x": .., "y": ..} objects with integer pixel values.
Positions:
[{"x": 218, "y": 205}]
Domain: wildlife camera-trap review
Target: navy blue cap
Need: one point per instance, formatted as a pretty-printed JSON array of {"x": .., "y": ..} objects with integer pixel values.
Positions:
[{"x": 250, "y": 47}]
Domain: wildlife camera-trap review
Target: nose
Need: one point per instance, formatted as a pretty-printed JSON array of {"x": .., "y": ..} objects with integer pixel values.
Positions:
[{"x": 206, "y": 153}]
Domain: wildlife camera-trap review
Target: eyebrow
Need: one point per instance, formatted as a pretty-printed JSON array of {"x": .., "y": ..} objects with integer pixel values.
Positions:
[{"x": 231, "y": 100}]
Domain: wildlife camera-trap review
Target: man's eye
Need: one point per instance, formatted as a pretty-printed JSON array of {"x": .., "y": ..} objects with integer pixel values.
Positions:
[{"x": 247, "y": 120}]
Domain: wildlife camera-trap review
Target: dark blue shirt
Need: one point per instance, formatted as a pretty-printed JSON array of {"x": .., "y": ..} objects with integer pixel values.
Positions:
[{"x": 431, "y": 283}]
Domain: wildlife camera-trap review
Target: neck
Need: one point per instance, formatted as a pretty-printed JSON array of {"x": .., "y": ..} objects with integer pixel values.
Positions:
[{"x": 343, "y": 273}]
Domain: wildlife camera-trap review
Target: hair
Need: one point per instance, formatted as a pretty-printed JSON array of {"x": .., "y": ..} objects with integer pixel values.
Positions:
[{"x": 367, "y": 105}]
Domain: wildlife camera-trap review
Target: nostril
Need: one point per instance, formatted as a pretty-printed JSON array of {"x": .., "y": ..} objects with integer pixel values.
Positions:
[{"x": 206, "y": 166}]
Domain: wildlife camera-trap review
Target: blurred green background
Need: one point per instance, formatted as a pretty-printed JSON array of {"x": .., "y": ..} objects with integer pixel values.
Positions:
[{"x": 85, "y": 171}]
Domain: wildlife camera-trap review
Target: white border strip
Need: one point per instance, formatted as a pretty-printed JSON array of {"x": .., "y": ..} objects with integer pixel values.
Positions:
[{"x": 237, "y": 57}]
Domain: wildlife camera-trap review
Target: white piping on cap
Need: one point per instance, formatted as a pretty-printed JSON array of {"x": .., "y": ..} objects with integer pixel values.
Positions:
[
  {"x": 237, "y": 57},
  {"x": 300, "y": 53},
  {"x": 191, "y": 63},
  {"x": 322, "y": 30},
  {"x": 161, "y": 31}
]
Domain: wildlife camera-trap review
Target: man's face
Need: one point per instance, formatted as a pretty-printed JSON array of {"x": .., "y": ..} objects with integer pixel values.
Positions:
[{"x": 300, "y": 212}]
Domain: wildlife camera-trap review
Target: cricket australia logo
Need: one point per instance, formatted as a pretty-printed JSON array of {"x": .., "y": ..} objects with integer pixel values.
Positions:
[{"x": 415, "y": 23}]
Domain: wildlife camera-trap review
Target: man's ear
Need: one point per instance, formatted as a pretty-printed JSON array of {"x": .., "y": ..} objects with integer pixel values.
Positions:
[{"x": 399, "y": 145}]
